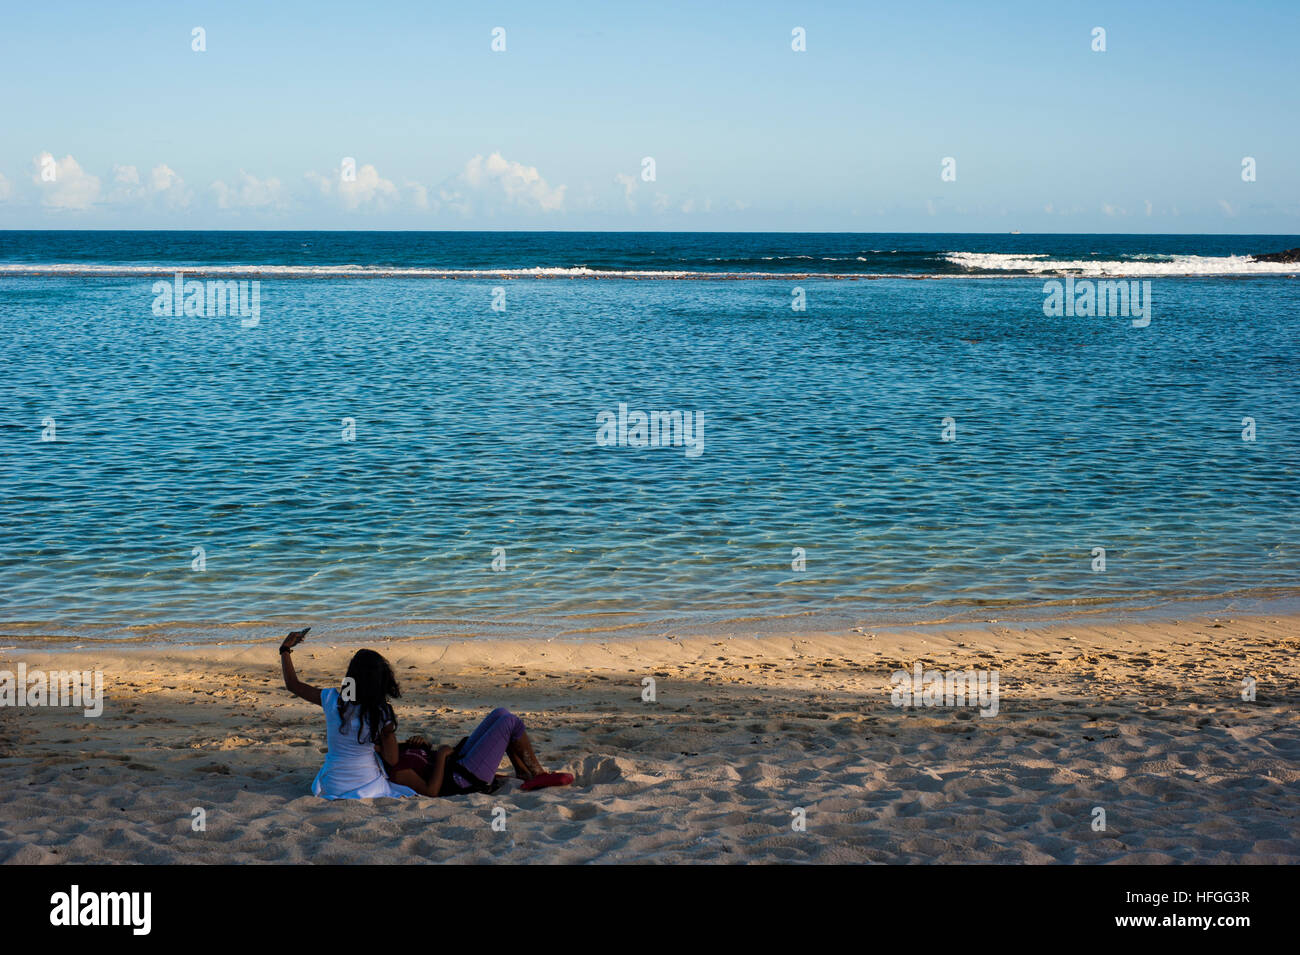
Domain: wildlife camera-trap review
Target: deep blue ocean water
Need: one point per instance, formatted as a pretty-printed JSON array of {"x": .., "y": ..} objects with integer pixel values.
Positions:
[
  {"x": 330, "y": 254},
  {"x": 476, "y": 429}
]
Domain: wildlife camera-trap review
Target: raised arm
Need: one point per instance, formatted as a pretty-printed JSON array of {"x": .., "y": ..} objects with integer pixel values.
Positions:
[{"x": 291, "y": 682}]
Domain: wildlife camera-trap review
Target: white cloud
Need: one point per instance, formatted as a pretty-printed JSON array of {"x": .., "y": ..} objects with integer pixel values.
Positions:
[
  {"x": 164, "y": 185},
  {"x": 661, "y": 203},
  {"x": 629, "y": 184},
  {"x": 249, "y": 192},
  {"x": 167, "y": 185},
  {"x": 127, "y": 177},
  {"x": 162, "y": 178},
  {"x": 1228, "y": 208},
  {"x": 368, "y": 188},
  {"x": 6, "y": 188},
  {"x": 419, "y": 194},
  {"x": 69, "y": 186},
  {"x": 497, "y": 178},
  {"x": 455, "y": 200}
]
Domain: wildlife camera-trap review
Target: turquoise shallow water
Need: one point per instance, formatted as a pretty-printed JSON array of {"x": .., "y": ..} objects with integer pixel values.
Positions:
[{"x": 477, "y": 429}]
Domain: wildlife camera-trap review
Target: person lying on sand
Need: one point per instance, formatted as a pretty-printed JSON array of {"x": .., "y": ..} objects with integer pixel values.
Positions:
[{"x": 364, "y": 759}]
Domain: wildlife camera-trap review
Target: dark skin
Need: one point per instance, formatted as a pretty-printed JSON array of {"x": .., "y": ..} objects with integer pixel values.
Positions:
[
  {"x": 424, "y": 786},
  {"x": 521, "y": 754}
]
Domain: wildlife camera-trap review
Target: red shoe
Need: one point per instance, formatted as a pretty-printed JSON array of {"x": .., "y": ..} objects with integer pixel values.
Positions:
[{"x": 543, "y": 780}]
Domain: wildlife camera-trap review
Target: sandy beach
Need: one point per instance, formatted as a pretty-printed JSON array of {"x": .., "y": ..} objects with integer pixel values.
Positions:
[{"x": 1144, "y": 721}]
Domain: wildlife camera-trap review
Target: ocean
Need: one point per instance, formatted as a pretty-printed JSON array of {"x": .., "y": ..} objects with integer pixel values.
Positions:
[{"x": 436, "y": 434}]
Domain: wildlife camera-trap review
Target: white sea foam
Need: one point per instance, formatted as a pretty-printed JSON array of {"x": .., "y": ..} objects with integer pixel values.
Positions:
[
  {"x": 976, "y": 264},
  {"x": 372, "y": 272},
  {"x": 326, "y": 271},
  {"x": 1171, "y": 265}
]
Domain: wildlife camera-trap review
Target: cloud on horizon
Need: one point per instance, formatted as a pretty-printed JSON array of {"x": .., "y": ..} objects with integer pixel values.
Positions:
[
  {"x": 63, "y": 184},
  {"x": 486, "y": 185},
  {"x": 495, "y": 183},
  {"x": 164, "y": 186},
  {"x": 249, "y": 192},
  {"x": 367, "y": 189}
]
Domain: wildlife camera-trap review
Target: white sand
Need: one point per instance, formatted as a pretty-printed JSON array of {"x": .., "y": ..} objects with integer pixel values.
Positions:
[{"x": 1145, "y": 721}]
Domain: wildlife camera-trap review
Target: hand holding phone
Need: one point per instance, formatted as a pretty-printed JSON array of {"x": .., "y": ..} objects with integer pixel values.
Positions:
[{"x": 294, "y": 638}]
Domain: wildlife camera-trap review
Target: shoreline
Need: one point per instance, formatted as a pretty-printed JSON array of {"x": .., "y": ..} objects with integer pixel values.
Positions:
[
  {"x": 18, "y": 636},
  {"x": 1144, "y": 720}
]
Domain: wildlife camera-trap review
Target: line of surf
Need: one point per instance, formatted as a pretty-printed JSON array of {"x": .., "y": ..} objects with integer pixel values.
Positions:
[
  {"x": 58, "y": 270},
  {"x": 1145, "y": 266},
  {"x": 968, "y": 265}
]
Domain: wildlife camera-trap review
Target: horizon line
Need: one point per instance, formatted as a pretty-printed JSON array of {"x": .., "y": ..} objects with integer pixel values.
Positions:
[{"x": 666, "y": 232}]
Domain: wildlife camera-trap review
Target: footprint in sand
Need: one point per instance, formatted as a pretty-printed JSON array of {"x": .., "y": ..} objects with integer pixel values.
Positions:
[{"x": 578, "y": 812}]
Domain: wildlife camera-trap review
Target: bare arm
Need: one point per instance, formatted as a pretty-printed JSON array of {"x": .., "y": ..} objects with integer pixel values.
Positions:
[
  {"x": 291, "y": 682},
  {"x": 387, "y": 744},
  {"x": 431, "y": 786},
  {"x": 439, "y": 768}
]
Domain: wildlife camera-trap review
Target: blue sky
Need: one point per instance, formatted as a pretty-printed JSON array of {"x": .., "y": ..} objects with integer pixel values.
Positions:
[{"x": 141, "y": 131}]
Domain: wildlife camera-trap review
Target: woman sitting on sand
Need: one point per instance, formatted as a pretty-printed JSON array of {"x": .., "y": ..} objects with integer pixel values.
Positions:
[{"x": 362, "y": 729}]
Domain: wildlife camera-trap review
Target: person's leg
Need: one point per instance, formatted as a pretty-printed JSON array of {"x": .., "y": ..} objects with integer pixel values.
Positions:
[
  {"x": 498, "y": 734},
  {"x": 521, "y": 768},
  {"x": 523, "y": 759}
]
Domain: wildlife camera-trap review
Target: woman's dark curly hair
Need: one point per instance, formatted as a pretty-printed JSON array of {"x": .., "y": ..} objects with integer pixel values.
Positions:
[{"x": 372, "y": 682}]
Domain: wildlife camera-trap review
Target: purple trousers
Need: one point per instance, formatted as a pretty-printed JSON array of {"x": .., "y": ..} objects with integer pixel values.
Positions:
[{"x": 487, "y": 744}]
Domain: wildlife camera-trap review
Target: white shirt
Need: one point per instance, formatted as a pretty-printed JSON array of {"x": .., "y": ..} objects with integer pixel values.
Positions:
[{"x": 352, "y": 770}]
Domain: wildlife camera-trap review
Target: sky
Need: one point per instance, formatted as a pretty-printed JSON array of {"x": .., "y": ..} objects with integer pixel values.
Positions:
[{"x": 112, "y": 119}]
